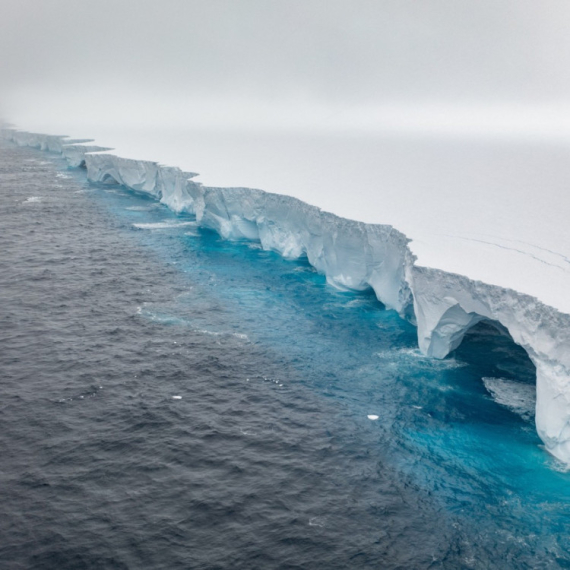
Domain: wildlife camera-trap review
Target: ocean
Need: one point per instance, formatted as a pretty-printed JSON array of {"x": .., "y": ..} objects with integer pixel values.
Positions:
[{"x": 173, "y": 400}]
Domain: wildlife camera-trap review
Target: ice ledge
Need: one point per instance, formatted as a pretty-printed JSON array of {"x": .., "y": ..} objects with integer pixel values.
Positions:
[{"x": 356, "y": 256}]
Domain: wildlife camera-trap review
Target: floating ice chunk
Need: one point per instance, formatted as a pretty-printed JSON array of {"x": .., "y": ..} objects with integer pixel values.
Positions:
[
  {"x": 372, "y": 417},
  {"x": 177, "y": 397},
  {"x": 519, "y": 398},
  {"x": 444, "y": 304},
  {"x": 142, "y": 208},
  {"x": 32, "y": 199},
  {"x": 166, "y": 225}
]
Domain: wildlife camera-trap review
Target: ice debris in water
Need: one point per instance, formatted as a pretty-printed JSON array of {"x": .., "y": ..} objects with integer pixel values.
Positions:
[
  {"x": 142, "y": 208},
  {"x": 372, "y": 417},
  {"x": 519, "y": 398},
  {"x": 165, "y": 225},
  {"x": 177, "y": 397},
  {"x": 358, "y": 257}
]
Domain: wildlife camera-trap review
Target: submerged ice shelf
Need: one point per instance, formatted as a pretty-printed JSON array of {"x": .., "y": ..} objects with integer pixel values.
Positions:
[{"x": 357, "y": 256}]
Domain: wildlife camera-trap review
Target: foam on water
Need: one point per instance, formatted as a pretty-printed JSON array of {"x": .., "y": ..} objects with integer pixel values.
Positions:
[{"x": 412, "y": 356}]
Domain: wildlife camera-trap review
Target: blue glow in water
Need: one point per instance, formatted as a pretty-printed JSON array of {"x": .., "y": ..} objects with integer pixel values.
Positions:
[
  {"x": 438, "y": 422},
  {"x": 271, "y": 460}
]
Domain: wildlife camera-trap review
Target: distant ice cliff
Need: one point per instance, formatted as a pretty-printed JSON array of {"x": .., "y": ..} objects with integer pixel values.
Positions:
[{"x": 356, "y": 256}]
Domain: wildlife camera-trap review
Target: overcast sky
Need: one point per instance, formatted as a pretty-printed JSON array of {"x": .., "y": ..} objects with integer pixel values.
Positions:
[{"x": 211, "y": 60}]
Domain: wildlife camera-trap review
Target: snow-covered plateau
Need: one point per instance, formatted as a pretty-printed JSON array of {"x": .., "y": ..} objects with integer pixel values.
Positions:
[{"x": 466, "y": 256}]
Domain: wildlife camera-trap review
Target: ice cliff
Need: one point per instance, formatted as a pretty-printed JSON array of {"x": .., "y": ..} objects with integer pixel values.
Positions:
[{"x": 356, "y": 256}]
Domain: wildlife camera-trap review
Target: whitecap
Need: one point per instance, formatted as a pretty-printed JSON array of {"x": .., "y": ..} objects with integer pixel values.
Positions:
[
  {"x": 32, "y": 199},
  {"x": 241, "y": 335},
  {"x": 215, "y": 333}
]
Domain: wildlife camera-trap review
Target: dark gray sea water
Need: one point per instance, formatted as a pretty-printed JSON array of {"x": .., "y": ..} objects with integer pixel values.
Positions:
[{"x": 172, "y": 400}]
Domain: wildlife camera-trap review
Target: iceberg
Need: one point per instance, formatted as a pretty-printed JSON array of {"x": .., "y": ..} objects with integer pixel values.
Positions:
[{"x": 356, "y": 256}]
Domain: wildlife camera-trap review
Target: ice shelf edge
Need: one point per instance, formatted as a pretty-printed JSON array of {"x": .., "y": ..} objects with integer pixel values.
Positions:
[{"x": 356, "y": 256}]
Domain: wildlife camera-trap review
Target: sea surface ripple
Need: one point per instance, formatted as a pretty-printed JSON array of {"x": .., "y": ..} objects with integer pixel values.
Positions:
[{"x": 173, "y": 400}]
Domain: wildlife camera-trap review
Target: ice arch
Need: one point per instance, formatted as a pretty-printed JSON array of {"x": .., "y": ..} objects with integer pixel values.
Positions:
[
  {"x": 447, "y": 306},
  {"x": 357, "y": 256}
]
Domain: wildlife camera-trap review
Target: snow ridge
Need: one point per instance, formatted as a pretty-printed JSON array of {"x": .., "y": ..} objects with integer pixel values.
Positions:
[{"x": 355, "y": 256}]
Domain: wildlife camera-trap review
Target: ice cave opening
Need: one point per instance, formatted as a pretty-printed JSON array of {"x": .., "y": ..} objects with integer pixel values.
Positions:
[{"x": 504, "y": 370}]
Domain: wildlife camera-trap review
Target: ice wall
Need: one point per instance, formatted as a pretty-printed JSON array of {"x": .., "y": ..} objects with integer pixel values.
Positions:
[{"x": 356, "y": 256}]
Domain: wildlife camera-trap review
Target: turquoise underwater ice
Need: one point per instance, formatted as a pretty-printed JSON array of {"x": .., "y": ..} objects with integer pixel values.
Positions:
[{"x": 460, "y": 428}]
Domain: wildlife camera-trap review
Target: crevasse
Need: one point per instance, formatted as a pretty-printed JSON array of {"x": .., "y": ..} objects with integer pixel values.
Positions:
[{"x": 356, "y": 256}]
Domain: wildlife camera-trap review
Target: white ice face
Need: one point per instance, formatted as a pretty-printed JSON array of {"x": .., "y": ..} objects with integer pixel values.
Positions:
[{"x": 354, "y": 255}]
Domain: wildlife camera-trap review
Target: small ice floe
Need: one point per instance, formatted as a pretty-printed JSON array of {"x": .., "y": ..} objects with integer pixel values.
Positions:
[
  {"x": 372, "y": 417},
  {"x": 518, "y": 397},
  {"x": 61, "y": 175},
  {"x": 165, "y": 225},
  {"x": 141, "y": 208},
  {"x": 177, "y": 397},
  {"x": 32, "y": 199}
]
